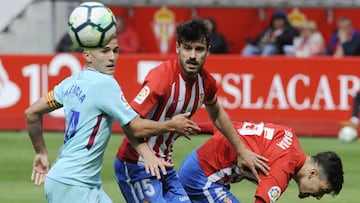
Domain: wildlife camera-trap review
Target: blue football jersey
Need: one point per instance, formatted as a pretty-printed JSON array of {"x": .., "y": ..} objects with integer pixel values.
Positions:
[{"x": 91, "y": 102}]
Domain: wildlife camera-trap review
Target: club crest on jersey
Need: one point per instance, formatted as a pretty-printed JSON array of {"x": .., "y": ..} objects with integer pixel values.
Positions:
[
  {"x": 144, "y": 92},
  {"x": 124, "y": 101},
  {"x": 274, "y": 193}
]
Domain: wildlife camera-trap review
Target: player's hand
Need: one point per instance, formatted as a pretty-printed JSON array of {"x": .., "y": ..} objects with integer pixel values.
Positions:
[
  {"x": 184, "y": 126},
  {"x": 154, "y": 164},
  {"x": 41, "y": 166},
  {"x": 253, "y": 161}
]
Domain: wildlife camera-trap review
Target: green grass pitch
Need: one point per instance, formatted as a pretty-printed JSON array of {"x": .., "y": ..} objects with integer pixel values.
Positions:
[{"x": 16, "y": 155}]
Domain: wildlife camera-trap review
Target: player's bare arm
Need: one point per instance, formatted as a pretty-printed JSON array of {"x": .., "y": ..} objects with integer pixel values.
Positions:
[
  {"x": 179, "y": 124},
  {"x": 246, "y": 158},
  {"x": 33, "y": 118},
  {"x": 146, "y": 128},
  {"x": 152, "y": 163}
]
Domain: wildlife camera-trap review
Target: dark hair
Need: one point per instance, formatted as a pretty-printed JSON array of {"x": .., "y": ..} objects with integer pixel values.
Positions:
[
  {"x": 192, "y": 31},
  {"x": 213, "y": 22},
  {"x": 330, "y": 164}
]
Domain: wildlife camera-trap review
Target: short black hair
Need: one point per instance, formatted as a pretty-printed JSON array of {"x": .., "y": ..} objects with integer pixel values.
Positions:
[
  {"x": 192, "y": 31},
  {"x": 330, "y": 164}
]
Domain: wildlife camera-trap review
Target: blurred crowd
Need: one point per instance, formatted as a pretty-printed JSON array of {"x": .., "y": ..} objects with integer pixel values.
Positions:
[{"x": 279, "y": 37}]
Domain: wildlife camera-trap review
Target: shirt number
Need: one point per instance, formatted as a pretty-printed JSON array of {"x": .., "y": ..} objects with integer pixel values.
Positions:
[
  {"x": 251, "y": 129},
  {"x": 144, "y": 186},
  {"x": 71, "y": 125}
]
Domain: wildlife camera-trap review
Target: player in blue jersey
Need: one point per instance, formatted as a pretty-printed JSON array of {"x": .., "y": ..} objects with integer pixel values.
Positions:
[{"x": 92, "y": 99}]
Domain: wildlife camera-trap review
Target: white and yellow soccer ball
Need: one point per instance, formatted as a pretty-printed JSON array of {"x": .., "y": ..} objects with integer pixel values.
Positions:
[
  {"x": 91, "y": 25},
  {"x": 347, "y": 134}
]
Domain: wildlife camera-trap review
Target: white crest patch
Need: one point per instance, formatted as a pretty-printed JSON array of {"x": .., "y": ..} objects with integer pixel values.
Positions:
[
  {"x": 144, "y": 92},
  {"x": 274, "y": 193}
]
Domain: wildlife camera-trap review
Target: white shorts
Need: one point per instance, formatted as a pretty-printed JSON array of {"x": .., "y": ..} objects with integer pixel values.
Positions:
[{"x": 57, "y": 192}]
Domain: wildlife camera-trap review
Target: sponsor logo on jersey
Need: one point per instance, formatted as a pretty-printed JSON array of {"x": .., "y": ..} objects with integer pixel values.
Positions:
[
  {"x": 144, "y": 92},
  {"x": 227, "y": 200},
  {"x": 124, "y": 101},
  {"x": 201, "y": 97},
  {"x": 184, "y": 198},
  {"x": 268, "y": 133},
  {"x": 274, "y": 193},
  {"x": 146, "y": 201},
  {"x": 286, "y": 142},
  {"x": 177, "y": 101}
]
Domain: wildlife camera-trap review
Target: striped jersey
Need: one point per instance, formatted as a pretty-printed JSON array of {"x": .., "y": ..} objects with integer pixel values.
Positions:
[
  {"x": 279, "y": 144},
  {"x": 91, "y": 102},
  {"x": 165, "y": 93}
]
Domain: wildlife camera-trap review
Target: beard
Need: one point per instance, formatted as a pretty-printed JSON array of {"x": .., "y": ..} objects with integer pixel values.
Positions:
[{"x": 303, "y": 195}]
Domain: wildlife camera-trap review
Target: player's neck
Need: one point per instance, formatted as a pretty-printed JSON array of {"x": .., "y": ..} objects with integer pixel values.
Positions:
[{"x": 302, "y": 171}]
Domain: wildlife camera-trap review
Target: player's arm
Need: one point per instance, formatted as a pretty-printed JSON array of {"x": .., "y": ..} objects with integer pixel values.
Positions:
[
  {"x": 152, "y": 163},
  {"x": 179, "y": 124},
  {"x": 246, "y": 158},
  {"x": 33, "y": 118}
]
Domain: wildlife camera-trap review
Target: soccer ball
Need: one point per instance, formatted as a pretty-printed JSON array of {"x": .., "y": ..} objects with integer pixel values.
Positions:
[
  {"x": 347, "y": 134},
  {"x": 91, "y": 25}
]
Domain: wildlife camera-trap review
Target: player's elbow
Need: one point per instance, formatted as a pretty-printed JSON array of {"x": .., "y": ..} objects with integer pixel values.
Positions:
[
  {"x": 30, "y": 115},
  {"x": 139, "y": 133},
  {"x": 138, "y": 130}
]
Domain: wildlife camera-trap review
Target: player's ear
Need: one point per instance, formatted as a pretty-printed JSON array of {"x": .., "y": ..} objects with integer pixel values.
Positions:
[
  {"x": 86, "y": 55},
  {"x": 313, "y": 172},
  {"x": 177, "y": 47}
]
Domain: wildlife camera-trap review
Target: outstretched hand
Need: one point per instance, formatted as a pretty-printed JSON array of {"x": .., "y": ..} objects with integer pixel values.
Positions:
[
  {"x": 154, "y": 164},
  {"x": 185, "y": 126},
  {"x": 253, "y": 161},
  {"x": 41, "y": 166}
]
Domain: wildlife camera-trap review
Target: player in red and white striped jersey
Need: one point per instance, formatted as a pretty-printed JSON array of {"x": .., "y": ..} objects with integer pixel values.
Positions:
[
  {"x": 176, "y": 86},
  {"x": 208, "y": 172}
]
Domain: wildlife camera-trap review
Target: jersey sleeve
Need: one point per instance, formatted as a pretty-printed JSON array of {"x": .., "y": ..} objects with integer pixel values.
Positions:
[
  {"x": 58, "y": 92},
  {"x": 271, "y": 187},
  {"x": 111, "y": 100},
  {"x": 210, "y": 88},
  {"x": 153, "y": 89}
]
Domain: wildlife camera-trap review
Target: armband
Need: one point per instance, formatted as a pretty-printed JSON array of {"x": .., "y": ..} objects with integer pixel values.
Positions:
[{"x": 50, "y": 100}]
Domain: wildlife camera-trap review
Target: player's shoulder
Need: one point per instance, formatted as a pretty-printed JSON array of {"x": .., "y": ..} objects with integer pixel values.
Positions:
[
  {"x": 164, "y": 68},
  {"x": 207, "y": 77},
  {"x": 278, "y": 127},
  {"x": 98, "y": 83},
  {"x": 161, "y": 76}
]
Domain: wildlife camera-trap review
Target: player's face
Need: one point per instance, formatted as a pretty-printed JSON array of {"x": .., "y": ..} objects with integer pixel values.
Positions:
[
  {"x": 192, "y": 56},
  {"x": 103, "y": 59},
  {"x": 313, "y": 186}
]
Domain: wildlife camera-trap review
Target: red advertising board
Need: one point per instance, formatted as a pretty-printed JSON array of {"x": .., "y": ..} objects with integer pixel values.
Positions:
[{"x": 310, "y": 95}]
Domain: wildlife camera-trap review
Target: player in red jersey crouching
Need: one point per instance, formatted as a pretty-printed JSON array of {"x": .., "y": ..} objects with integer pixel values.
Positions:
[{"x": 207, "y": 172}]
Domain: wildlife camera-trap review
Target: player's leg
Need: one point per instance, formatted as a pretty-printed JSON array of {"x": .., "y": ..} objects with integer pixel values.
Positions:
[
  {"x": 269, "y": 49},
  {"x": 57, "y": 192},
  {"x": 218, "y": 193},
  {"x": 356, "y": 105},
  {"x": 250, "y": 50},
  {"x": 136, "y": 185},
  {"x": 104, "y": 198},
  {"x": 354, "y": 120},
  {"x": 192, "y": 178},
  {"x": 173, "y": 190},
  {"x": 197, "y": 185}
]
